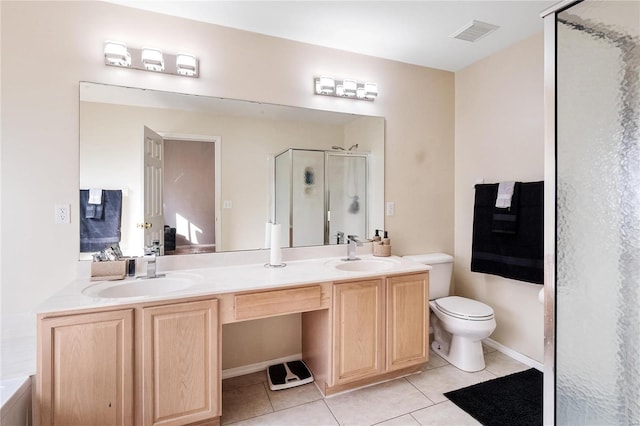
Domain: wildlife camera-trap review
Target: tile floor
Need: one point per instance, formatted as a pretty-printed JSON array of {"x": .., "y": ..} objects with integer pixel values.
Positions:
[{"x": 413, "y": 400}]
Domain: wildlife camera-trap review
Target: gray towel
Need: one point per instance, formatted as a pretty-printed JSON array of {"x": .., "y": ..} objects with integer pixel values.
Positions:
[
  {"x": 94, "y": 211},
  {"x": 99, "y": 231}
]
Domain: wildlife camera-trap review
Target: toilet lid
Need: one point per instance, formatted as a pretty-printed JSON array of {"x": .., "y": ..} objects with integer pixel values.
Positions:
[{"x": 463, "y": 308}]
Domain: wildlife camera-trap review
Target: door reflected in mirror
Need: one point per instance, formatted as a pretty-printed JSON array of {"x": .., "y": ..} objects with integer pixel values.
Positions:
[{"x": 234, "y": 194}]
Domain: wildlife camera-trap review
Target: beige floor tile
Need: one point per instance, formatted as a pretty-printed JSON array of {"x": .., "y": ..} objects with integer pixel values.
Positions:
[
  {"x": 486, "y": 348},
  {"x": 245, "y": 403},
  {"x": 298, "y": 395},
  {"x": 444, "y": 414},
  {"x": 246, "y": 380},
  {"x": 377, "y": 403},
  {"x": 433, "y": 383},
  {"x": 435, "y": 361},
  {"x": 503, "y": 365},
  {"x": 405, "y": 420},
  {"x": 408, "y": 401},
  {"x": 311, "y": 414}
]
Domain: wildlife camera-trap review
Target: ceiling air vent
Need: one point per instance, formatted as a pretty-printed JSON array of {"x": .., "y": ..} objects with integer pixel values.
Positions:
[{"x": 474, "y": 31}]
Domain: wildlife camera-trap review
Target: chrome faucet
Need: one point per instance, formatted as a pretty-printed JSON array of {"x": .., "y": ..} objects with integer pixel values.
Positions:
[
  {"x": 352, "y": 242},
  {"x": 150, "y": 257}
]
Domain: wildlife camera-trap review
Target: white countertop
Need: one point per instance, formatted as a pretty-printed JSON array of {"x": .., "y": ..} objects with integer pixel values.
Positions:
[
  {"x": 230, "y": 279},
  {"x": 216, "y": 274}
]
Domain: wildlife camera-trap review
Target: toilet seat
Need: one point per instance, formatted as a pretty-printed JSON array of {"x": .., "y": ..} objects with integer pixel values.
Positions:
[{"x": 463, "y": 308}]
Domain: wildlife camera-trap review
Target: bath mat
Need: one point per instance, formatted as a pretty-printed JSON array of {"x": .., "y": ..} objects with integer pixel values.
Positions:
[{"x": 514, "y": 400}]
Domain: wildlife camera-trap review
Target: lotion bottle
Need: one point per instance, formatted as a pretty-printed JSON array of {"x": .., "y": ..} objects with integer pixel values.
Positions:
[{"x": 385, "y": 240}]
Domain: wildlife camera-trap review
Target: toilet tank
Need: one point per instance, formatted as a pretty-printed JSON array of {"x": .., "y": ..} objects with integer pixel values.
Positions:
[{"x": 439, "y": 275}]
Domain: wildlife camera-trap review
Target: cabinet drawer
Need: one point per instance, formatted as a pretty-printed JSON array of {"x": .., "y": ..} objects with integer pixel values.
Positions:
[{"x": 277, "y": 302}]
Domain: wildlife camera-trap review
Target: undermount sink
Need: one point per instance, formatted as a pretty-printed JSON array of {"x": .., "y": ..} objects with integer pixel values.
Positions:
[
  {"x": 365, "y": 265},
  {"x": 141, "y": 286}
]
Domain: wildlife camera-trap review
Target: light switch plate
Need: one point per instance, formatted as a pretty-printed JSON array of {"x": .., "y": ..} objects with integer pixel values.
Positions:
[
  {"x": 391, "y": 208},
  {"x": 61, "y": 213}
]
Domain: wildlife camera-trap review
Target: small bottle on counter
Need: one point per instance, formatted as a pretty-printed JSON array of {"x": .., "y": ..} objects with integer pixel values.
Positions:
[
  {"x": 385, "y": 240},
  {"x": 382, "y": 247},
  {"x": 131, "y": 267}
]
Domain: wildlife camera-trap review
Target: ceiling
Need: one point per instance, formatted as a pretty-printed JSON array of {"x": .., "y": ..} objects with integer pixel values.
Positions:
[{"x": 414, "y": 32}]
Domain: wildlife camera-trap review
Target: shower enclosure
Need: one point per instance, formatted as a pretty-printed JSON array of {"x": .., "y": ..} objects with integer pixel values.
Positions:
[
  {"x": 320, "y": 196},
  {"x": 592, "y": 218}
]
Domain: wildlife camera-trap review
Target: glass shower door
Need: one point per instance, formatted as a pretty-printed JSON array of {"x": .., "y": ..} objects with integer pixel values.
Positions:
[
  {"x": 347, "y": 196},
  {"x": 598, "y": 214},
  {"x": 300, "y": 197}
]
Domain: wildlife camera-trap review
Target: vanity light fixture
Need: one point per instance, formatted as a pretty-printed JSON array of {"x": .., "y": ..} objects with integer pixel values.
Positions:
[
  {"x": 152, "y": 59},
  {"x": 186, "y": 64},
  {"x": 118, "y": 54},
  {"x": 370, "y": 91},
  {"x": 115, "y": 53},
  {"x": 350, "y": 87},
  {"x": 347, "y": 88},
  {"x": 325, "y": 86}
]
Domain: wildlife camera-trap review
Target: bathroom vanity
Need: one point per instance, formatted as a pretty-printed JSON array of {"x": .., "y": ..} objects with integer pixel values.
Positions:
[{"x": 155, "y": 359}]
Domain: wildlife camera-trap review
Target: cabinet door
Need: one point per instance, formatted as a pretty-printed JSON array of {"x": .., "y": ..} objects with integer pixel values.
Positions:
[
  {"x": 181, "y": 363},
  {"x": 407, "y": 321},
  {"x": 358, "y": 330},
  {"x": 86, "y": 370}
]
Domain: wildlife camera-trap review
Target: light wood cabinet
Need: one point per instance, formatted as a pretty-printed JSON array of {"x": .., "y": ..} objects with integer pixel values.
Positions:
[
  {"x": 91, "y": 370},
  {"x": 277, "y": 302},
  {"x": 180, "y": 371},
  {"x": 159, "y": 363},
  {"x": 85, "y": 366},
  {"x": 378, "y": 330},
  {"x": 358, "y": 330},
  {"x": 407, "y": 321}
]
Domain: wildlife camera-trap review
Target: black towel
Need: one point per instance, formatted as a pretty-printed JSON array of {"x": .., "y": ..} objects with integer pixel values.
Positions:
[
  {"x": 98, "y": 233},
  {"x": 505, "y": 220},
  {"x": 518, "y": 255}
]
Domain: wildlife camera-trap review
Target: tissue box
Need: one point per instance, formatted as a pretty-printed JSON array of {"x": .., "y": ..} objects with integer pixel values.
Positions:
[{"x": 107, "y": 271}]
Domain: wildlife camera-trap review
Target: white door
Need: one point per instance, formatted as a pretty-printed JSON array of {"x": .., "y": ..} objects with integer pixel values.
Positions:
[{"x": 153, "y": 203}]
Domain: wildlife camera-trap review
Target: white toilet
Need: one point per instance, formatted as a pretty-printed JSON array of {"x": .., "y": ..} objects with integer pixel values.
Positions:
[{"x": 459, "y": 324}]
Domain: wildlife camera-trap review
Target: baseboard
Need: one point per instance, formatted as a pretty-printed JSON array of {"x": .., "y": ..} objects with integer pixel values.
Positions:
[
  {"x": 513, "y": 354},
  {"x": 260, "y": 366},
  {"x": 254, "y": 368}
]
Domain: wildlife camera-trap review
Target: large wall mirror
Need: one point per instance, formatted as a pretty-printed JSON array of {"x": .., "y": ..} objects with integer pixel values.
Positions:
[{"x": 215, "y": 189}]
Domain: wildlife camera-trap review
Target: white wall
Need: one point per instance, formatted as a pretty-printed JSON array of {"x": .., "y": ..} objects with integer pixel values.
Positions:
[
  {"x": 499, "y": 137},
  {"x": 48, "y": 47}
]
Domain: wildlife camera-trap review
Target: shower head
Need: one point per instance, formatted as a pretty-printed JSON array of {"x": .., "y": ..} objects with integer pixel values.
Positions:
[{"x": 337, "y": 147}]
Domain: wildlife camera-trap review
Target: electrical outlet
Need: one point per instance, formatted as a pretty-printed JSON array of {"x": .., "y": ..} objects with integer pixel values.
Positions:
[
  {"x": 226, "y": 204},
  {"x": 61, "y": 212},
  {"x": 391, "y": 208}
]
